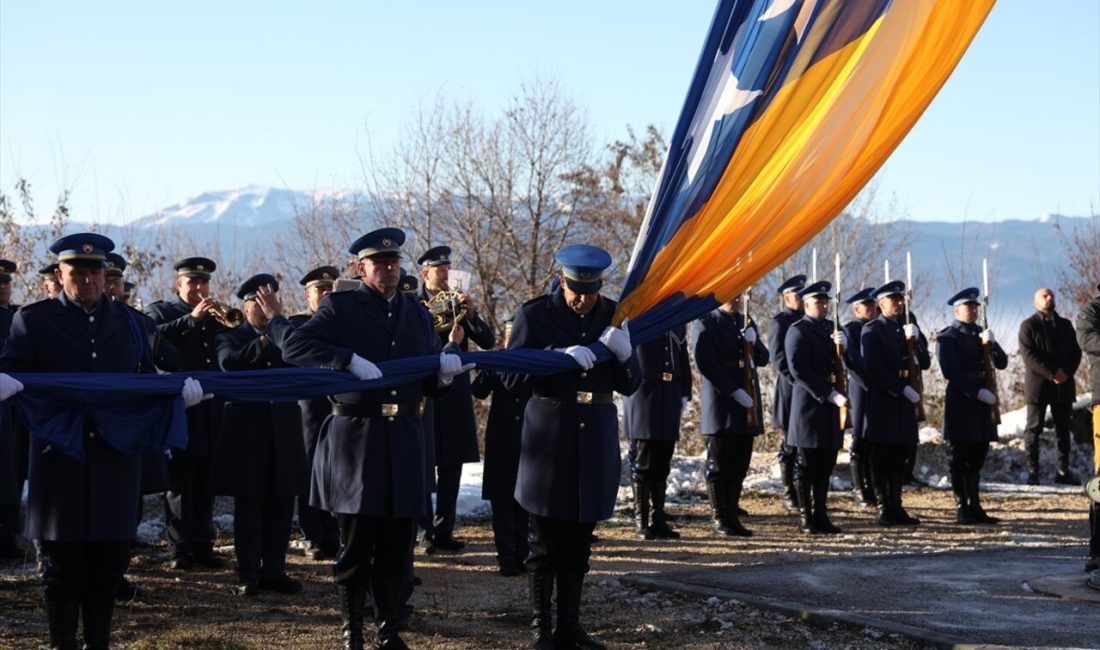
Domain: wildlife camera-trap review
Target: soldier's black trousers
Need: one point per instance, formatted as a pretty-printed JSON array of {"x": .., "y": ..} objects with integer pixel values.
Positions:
[
  {"x": 510, "y": 530},
  {"x": 82, "y": 575},
  {"x": 728, "y": 458},
  {"x": 189, "y": 505},
  {"x": 968, "y": 457},
  {"x": 261, "y": 531},
  {"x": 650, "y": 460},
  {"x": 446, "y": 500},
  {"x": 1061, "y": 412},
  {"x": 559, "y": 546},
  {"x": 318, "y": 526},
  {"x": 373, "y": 548},
  {"x": 860, "y": 450},
  {"x": 814, "y": 463},
  {"x": 889, "y": 460}
]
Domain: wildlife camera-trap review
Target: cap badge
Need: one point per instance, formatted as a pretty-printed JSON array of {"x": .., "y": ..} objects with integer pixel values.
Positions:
[
  {"x": 387, "y": 241},
  {"x": 200, "y": 267},
  {"x": 88, "y": 248}
]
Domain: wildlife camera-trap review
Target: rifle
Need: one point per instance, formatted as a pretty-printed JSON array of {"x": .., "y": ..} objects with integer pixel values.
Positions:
[
  {"x": 749, "y": 379},
  {"x": 989, "y": 373},
  {"x": 840, "y": 374},
  {"x": 916, "y": 380}
]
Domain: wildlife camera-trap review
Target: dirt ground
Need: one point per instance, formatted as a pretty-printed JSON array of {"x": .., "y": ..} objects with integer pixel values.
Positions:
[{"x": 465, "y": 603}]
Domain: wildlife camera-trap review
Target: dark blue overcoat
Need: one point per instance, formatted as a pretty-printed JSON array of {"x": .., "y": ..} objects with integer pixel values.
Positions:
[
  {"x": 891, "y": 419},
  {"x": 569, "y": 459},
  {"x": 718, "y": 350},
  {"x": 811, "y": 354},
  {"x": 959, "y": 352},
  {"x": 784, "y": 383},
  {"x": 858, "y": 388},
  {"x": 653, "y": 411},
  {"x": 503, "y": 431}
]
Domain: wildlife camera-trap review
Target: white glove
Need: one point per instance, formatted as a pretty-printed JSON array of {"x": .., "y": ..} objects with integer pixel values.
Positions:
[
  {"x": 9, "y": 386},
  {"x": 910, "y": 394},
  {"x": 742, "y": 398},
  {"x": 986, "y": 396},
  {"x": 192, "y": 393},
  {"x": 837, "y": 399},
  {"x": 618, "y": 341},
  {"x": 363, "y": 369},
  {"x": 450, "y": 366},
  {"x": 750, "y": 335},
  {"x": 987, "y": 337},
  {"x": 840, "y": 338},
  {"x": 584, "y": 357},
  {"x": 911, "y": 330}
]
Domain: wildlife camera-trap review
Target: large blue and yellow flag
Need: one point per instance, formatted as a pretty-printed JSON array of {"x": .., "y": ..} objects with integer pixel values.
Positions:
[{"x": 795, "y": 104}]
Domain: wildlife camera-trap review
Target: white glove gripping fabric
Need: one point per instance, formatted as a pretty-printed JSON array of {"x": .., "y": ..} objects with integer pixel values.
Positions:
[
  {"x": 618, "y": 341},
  {"x": 986, "y": 396},
  {"x": 363, "y": 369},
  {"x": 840, "y": 338},
  {"x": 9, "y": 386},
  {"x": 837, "y": 399},
  {"x": 584, "y": 357},
  {"x": 986, "y": 337},
  {"x": 191, "y": 392},
  {"x": 910, "y": 394},
  {"x": 742, "y": 398},
  {"x": 750, "y": 336},
  {"x": 450, "y": 366},
  {"x": 911, "y": 330}
]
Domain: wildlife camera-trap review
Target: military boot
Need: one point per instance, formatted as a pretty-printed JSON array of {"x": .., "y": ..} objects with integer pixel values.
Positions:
[
  {"x": 642, "y": 528},
  {"x": 386, "y": 600},
  {"x": 820, "y": 486},
  {"x": 903, "y": 517},
  {"x": 806, "y": 523},
  {"x": 861, "y": 484},
  {"x": 62, "y": 617},
  {"x": 569, "y": 633},
  {"x": 97, "y": 607},
  {"x": 885, "y": 508},
  {"x": 974, "y": 496},
  {"x": 733, "y": 510},
  {"x": 353, "y": 602},
  {"x": 542, "y": 588},
  {"x": 719, "y": 506},
  {"x": 790, "y": 493},
  {"x": 963, "y": 513},
  {"x": 660, "y": 527}
]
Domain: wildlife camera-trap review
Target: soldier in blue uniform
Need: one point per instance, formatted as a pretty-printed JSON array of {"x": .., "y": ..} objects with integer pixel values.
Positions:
[
  {"x": 50, "y": 286},
  {"x": 80, "y": 511},
  {"x": 7, "y": 267},
  {"x": 12, "y": 468},
  {"x": 318, "y": 527},
  {"x": 814, "y": 428},
  {"x": 718, "y": 347},
  {"x": 891, "y": 422},
  {"x": 187, "y": 322},
  {"x": 967, "y": 419},
  {"x": 261, "y": 457},
  {"x": 569, "y": 456},
  {"x": 865, "y": 310},
  {"x": 368, "y": 466},
  {"x": 781, "y": 398},
  {"x": 498, "y": 486},
  {"x": 455, "y": 429},
  {"x": 651, "y": 419}
]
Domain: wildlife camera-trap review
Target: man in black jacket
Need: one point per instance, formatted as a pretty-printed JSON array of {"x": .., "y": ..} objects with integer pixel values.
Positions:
[
  {"x": 1088, "y": 337},
  {"x": 1051, "y": 356}
]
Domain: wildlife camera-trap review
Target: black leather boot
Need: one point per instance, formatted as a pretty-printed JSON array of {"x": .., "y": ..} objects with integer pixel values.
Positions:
[
  {"x": 733, "y": 510},
  {"x": 806, "y": 523},
  {"x": 790, "y": 493},
  {"x": 569, "y": 633},
  {"x": 820, "y": 486},
  {"x": 973, "y": 494},
  {"x": 353, "y": 601},
  {"x": 885, "y": 506},
  {"x": 62, "y": 617},
  {"x": 963, "y": 513},
  {"x": 903, "y": 517},
  {"x": 542, "y": 588},
  {"x": 861, "y": 482},
  {"x": 386, "y": 599},
  {"x": 716, "y": 491},
  {"x": 660, "y": 527},
  {"x": 642, "y": 529},
  {"x": 97, "y": 608}
]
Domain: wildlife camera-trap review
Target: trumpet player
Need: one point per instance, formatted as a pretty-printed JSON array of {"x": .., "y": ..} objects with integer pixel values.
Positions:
[
  {"x": 188, "y": 321},
  {"x": 455, "y": 429}
]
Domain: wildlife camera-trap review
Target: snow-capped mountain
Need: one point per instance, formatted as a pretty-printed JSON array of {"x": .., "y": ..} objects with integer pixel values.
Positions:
[{"x": 247, "y": 207}]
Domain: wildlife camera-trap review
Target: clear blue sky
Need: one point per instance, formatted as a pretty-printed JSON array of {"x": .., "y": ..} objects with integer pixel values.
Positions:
[{"x": 138, "y": 105}]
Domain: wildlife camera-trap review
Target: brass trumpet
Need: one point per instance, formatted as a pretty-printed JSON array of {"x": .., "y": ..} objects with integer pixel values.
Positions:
[
  {"x": 446, "y": 308},
  {"x": 230, "y": 317}
]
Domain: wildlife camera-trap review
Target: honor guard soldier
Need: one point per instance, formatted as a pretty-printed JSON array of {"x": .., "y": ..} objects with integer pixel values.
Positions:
[
  {"x": 81, "y": 512},
  {"x": 968, "y": 424},
  {"x": 651, "y": 419},
  {"x": 408, "y": 284},
  {"x": 188, "y": 321},
  {"x": 784, "y": 383},
  {"x": 7, "y": 267},
  {"x": 814, "y": 428},
  {"x": 318, "y": 527},
  {"x": 261, "y": 458},
  {"x": 1088, "y": 338},
  {"x": 865, "y": 310},
  {"x": 12, "y": 446},
  {"x": 891, "y": 422},
  {"x": 728, "y": 405},
  {"x": 455, "y": 429},
  {"x": 1048, "y": 346},
  {"x": 368, "y": 466},
  {"x": 498, "y": 486},
  {"x": 569, "y": 456},
  {"x": 127, "y": 292},
  {"x": 49, "y": 283}
]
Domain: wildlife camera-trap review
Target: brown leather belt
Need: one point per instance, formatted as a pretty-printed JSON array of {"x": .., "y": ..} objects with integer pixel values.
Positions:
[
  {"x": 374, "y": 410},
  {"x": 581, "y": 397}
]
